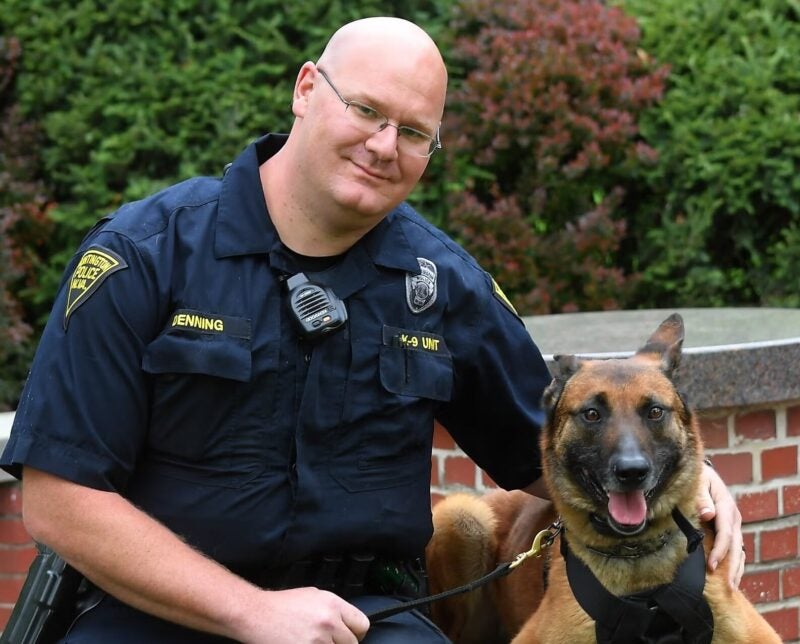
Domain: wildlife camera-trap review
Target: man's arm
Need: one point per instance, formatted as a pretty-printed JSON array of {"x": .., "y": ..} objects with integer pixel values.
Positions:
[
  {"x": 717, "y": 503},
  {"x": 139, "y": 561}
]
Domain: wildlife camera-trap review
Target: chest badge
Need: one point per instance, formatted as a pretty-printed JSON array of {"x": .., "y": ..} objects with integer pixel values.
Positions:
[{"x": 421, "y": 289}]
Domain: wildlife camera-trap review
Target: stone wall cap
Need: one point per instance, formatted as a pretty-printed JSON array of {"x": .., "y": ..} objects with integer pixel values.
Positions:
[{"x": 732, "y": 356}]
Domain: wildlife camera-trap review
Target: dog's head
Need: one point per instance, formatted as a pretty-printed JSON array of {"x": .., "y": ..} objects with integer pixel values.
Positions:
[{"x": 621, "y": 448}]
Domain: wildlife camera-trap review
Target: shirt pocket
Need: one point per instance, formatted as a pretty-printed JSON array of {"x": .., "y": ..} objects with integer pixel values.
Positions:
[
  {"x": 390, "y": 447},
  {"x": 205, "y": 419},
  {"x": 216, "y": 355}
]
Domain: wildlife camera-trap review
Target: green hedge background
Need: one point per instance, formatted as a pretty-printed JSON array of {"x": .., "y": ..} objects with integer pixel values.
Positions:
[{"x": 596, "y": 156}]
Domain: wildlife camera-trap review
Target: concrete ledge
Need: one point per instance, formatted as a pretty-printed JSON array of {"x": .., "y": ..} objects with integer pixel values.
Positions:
[{"x": 731, "y": 358}]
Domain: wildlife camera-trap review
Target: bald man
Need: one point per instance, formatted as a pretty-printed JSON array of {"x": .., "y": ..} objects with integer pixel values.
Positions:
[{"x": 227, "y": 428}]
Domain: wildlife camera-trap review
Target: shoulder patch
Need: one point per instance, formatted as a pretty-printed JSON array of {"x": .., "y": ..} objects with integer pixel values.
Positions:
[
  {"x": 498, "y": 293},
  {"x": 95, "y": 265}
]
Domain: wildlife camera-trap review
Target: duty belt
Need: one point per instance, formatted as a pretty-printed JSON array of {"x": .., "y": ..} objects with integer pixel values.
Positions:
[{"x": 350, "y": 575}]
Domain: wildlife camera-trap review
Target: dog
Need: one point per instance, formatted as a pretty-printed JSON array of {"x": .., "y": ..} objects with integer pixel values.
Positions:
[{"x": 621, "y": 459}]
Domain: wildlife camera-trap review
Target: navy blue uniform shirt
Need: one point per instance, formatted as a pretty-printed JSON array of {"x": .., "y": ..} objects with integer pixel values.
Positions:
[{"x": 170, "y": 372}]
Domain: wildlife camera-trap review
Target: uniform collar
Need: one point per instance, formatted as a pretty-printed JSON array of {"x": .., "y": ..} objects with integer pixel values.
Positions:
[
  {"x": 243, "y": 223},
  {"x": 245, "y": 228}
]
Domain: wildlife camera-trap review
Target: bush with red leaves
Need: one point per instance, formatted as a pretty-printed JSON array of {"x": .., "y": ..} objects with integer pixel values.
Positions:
[{"x": 545, "y": 143}]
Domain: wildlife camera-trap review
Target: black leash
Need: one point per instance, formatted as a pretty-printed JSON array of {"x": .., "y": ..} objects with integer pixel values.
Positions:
[{"x": 543, "y": 540}]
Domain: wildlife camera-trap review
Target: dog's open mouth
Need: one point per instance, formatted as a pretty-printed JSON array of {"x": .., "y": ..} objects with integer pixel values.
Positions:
[{"x": 627, "y": 512}]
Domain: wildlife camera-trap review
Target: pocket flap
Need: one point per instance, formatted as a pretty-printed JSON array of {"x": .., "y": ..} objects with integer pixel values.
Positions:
[
  {"x": 213, "y": 355},
  {"x": 416, "y": 363}
]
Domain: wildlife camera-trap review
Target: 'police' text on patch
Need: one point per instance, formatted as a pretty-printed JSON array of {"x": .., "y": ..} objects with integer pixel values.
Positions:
[{"x": 92, "y": 270}]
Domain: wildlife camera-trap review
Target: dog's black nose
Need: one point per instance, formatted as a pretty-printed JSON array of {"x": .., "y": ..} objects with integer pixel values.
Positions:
[{"x": 631, "y": 470}]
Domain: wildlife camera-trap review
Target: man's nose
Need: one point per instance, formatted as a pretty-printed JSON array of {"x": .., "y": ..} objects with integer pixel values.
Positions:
[{"x": 384, "y": 142}]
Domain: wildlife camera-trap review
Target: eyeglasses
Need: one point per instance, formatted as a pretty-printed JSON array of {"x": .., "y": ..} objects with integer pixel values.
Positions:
[{"x": 370, "y": 120}]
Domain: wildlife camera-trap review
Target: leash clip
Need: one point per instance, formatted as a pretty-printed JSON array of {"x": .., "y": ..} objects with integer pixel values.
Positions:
[{"x": 543, "y": 540}]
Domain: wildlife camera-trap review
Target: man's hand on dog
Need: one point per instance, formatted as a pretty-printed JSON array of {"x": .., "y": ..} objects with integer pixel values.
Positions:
[{"x": 716, "y": 503}]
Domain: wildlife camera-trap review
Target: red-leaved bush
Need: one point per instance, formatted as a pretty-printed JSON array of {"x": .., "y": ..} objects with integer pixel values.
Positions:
[{"x": 544, "y": 140}]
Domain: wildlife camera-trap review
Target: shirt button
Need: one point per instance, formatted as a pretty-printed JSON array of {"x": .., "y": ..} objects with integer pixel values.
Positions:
[{"x": 307, "y": 358}]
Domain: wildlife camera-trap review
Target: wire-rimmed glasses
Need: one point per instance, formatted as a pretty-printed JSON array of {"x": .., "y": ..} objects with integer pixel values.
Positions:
[{"x": 369, "y": 120}]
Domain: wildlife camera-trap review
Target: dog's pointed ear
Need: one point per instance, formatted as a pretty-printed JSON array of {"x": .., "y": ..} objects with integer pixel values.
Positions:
[
  {"x": 665, "y": 344},
  {"x": 562, "y": 369}
]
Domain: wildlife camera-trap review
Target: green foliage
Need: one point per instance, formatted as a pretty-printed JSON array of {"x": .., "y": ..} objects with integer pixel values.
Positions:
[
  {"x": 544, "y": 139},
  {"x": 719, "y": 224}
]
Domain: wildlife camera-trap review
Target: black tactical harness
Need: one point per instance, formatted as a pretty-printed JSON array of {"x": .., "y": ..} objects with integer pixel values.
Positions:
[{"x": 675, "y": 613}]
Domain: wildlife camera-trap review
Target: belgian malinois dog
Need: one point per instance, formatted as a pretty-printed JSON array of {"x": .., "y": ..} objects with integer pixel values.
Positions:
[{"x": 621, "y": 457}]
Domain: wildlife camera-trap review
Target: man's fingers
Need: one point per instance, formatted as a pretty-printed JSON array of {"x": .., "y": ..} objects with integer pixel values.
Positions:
[{"x": 356, "y": 621}]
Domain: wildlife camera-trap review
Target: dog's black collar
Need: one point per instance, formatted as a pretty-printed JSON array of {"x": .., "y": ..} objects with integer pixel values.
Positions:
[
  {"x": 633, "y": 550},
  {"x": 636, "y": 549}
]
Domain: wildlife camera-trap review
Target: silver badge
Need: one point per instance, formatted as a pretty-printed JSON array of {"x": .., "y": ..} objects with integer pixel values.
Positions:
[{"x": 421, "y": 289}]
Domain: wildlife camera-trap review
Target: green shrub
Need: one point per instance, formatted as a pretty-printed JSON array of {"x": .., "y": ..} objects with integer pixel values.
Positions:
[{"x": 720, "y": 223}]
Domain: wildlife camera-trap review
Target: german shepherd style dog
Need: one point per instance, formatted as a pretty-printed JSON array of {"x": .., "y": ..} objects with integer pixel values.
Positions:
[{"x": 621, "y": 457}]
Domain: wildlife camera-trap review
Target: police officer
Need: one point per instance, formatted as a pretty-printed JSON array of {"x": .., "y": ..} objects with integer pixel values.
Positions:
[{"x": 231, "y": 408}]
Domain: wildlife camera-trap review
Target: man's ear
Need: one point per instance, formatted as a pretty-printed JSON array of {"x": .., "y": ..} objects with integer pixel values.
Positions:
[{"x": 302, "y": 88}]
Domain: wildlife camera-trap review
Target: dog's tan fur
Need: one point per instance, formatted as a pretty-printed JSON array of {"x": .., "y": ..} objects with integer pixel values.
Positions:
[{"x": 473, "y": 534}]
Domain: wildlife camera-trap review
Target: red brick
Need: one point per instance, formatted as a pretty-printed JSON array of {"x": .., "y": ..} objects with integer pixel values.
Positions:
[
  {"x": 778, "y": 462},
  {"x": 761, "y": 587},
  {"x": 734, "y": 468},
  {"x": 758, "y": 506},
  {"x": 436, "y": 497},
  {"x": 714, "y": 432},
  {"x": 5, "y": 614},
  {"x": 756, "y": 425},
  {"x": 441, "y": 439},
  {"x": 749, "y": 541},
  {"x": 791, "y": 581},
  {"x": 435, "y": 470},
  {"x": 487, "y": 480},
  {"x": 785, "y": 621},
  {"x": 459, "y": 469},
  {"x": 779, "y": 544},
  {"x": 13, "y": 532},
  {"x": 10, "y": 587},
  {"x": 10, "y": 499},
  {"x": 16, "y": 559},
  {"x": 793, "y": 421},
  {"x": 791, "y": 499}
]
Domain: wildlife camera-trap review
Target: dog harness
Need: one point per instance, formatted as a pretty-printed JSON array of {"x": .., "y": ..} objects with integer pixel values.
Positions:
[{"x": 674, "y": 613}]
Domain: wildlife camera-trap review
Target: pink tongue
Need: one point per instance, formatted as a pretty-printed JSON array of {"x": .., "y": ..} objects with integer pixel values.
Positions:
[{"x": 627, "y": 508}]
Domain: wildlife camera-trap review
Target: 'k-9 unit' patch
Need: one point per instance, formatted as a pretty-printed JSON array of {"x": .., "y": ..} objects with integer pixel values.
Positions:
[{"x": 92, "y": 270}]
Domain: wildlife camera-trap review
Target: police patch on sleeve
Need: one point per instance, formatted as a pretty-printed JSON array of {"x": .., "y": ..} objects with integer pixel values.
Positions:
[
  {"x": 92, "y": 270},
  {"x": 498, "y": 293},
  {"x": 421, "y": 289}
]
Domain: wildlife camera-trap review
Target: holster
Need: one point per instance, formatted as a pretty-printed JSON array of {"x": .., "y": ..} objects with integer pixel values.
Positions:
[{"x": 45, "y": 607}]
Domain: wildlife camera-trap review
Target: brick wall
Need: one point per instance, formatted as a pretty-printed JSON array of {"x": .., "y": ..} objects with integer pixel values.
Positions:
[{"x": 755, "y": 450}]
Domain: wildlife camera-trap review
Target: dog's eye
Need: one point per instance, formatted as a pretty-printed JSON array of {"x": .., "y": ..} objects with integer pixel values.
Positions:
[
  {"x": 655, "y": 413},
  {"x": 591, "y": 415}
]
